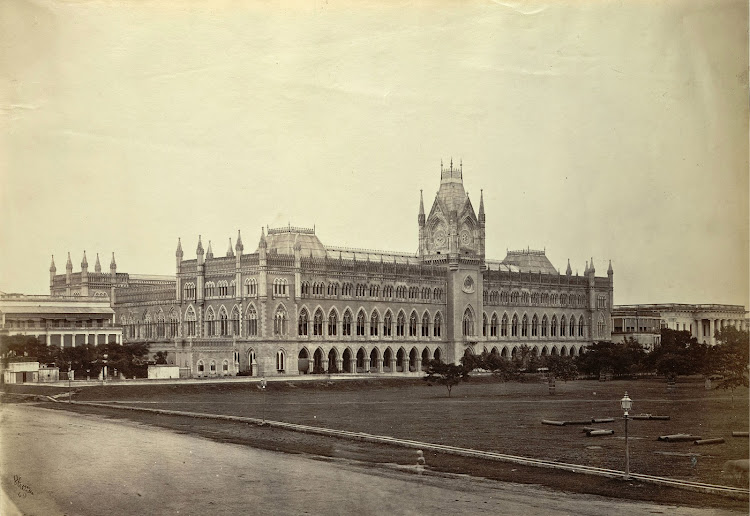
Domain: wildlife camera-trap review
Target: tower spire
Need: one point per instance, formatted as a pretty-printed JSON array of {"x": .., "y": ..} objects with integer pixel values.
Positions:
[
  {"x": 69, "y": 264},
  {"x": 199, "y": 249},
  {"x": 238, "y": 246},
  {"x": 52, "y": 267},
  {"x": 84, "y": 262},
  {"x": 262, "y": 242},
  {"x": 179, "y": 252},
  {"x": 480, "y": 216},
  {"x": 209, "y": 251},
  {"x": 421, "y": 203},
  {"x": 569, "y": 271},
  {"x": 97, "y": 265},
  {"x": 230, "y": 251}
]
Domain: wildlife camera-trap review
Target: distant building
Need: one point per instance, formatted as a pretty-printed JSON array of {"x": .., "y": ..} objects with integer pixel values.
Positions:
[
  {"x": 644, "y": 322},
  {"x": 296, "y": 306},
  {"x": 60, "y": 321}
]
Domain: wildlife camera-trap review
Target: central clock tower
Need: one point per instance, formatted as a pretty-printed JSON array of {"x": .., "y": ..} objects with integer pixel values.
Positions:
[
  {"x": 452, "y": 227},
  {"x": 453, "y": 234}
]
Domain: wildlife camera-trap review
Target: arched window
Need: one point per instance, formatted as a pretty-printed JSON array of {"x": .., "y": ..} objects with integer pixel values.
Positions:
[
  {"x": 252, "y": 322},
  {"x": 535, "y": 326},
  {"x": 572, "y": 325},
  {"x": 374, "y": 290},
  {"x": 437, "y": 326},
  {"x": 280, "y": 361},
  {"x": 485, "y": 325},
  {"x": 387, "y": 324},
  {"x": 504, "y": 326},
  {"x": 333, "y": 289},
  {"x": 581, "y": 332},
  {"x": 545, "y": 325},
  {"x": 201, "y": 367},
  {"x": 174, "y": 323},
  {"x": 493, "y": 326},
  {"x": 190, "y": 320},
  {"x": 223, "y": 288},
  {"x": 426, "y": 324},
  {"x": 346, "y": 328},
  {"x": 251, "y": 287},
  {"x": 468, "y": 323},
  {"x": 535, "y": 298},
  {"x": 563, "y": 299},
  {"x": 413, "y": 324},
  {"x": 210, "y": 322},
  {"x": 374, "y": 322},
  {"x": 600, "y": 326},
  {"x": 400, "y": 324},
  {"x": 332, "y": 322},
  {"x": 223, "y": 322},
  {"x": 209, "y": 289},
  {"x": 302, "y": 323},
  {"x": 514, "y": 297},
  {"x": 318, "y": 323},
  {"x": 212, "y": 367},
  {"x": 160, "y": 327},
  {"x": 525, "y": 298},
  {"x": 525, "y": 326},
  {"x": 361, "y": 324},
  {"x": 553, "y": 332},
  {"x": 235, "y": 321},
  {"x": 189, "y": 291},
  {"x": 279, "y": 321},
  {"x": 387, "y": 292},
  {"x": 305, "y": 289},
  {"x": 426, "y": 293},
  {"x": 514, "y": 326}
]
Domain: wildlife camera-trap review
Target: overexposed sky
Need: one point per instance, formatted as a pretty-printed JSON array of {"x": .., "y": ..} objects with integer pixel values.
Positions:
[{"x": 617, "y": 130}]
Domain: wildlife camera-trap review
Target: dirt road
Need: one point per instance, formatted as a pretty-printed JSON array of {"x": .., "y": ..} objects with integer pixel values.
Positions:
[{"x": 58, "y": 463}]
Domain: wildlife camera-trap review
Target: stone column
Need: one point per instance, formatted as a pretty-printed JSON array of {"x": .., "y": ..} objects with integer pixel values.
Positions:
[
  {"x": 418, "y": 365},
  {"x": 353, "y": 365},
  {"x": 711, "y": 329},
  {"x": 393, "y": 365},
  {"x": 405, "y": 364},
  {"x": 324, "y": 364},
  {"x": 340, "y": 364},
  {"x": 48, "y": 339},
  {"x": 379, "y": 365}
]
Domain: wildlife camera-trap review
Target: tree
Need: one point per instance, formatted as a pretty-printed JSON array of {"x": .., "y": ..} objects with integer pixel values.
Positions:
[
  {"x": 161, "y": 357},
  {"x": 445, "y": 374},
  {"x": 732, "y": 358},
  {"x": 618, "y": 357},
  {"x": 678, "y": 353},
  {"x": 563, "y": 368}
]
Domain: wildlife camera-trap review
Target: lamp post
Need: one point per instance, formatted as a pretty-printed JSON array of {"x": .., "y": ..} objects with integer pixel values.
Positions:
[
  {"x": 626, "y": 403},
  {"x": 263, "y": 388},
  {"x": 104, "y": 368},
  {"x": 70, "y": 392}
]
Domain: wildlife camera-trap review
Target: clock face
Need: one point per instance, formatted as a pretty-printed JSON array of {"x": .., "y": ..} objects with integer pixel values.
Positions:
[
  {"x": 439, "y": 238},
  {"x": 465, "y": 237}
]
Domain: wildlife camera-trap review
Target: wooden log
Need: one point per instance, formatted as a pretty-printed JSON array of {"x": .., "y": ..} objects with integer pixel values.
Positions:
[
  {"x": 594, "y": 433},
  {"x": 673, "y": 438},
  {"x": 578, "y": 422},
  {"x": 740, "y": 434},
  {"x": 659, "y": 418},
  {"x": 555, "y": 423},
  {"x": 587, "y": 429},
  {"x": 718, "y": 440},
  {"x": 640, "y": 416},
  {"x": 603, "y": 420}
]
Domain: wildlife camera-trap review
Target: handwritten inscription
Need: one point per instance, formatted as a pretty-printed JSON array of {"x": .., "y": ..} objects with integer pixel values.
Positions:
[{"x": 23, "y": 489}]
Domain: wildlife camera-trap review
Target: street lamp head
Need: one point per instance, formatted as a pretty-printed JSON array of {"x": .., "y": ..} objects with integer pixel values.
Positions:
[{"x": 626, "y": 403}]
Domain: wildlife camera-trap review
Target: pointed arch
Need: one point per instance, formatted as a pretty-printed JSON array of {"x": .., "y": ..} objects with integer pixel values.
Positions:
[
  {"x": 401, "y": 324},
  {"x": 493, "y": 325},
  {"x": 388, "y": 360},
  {"x": 388, "y": 324},
  {"x": 333, "y": 361},
  {"x": 485, "y": 324},
  {"x": 413, "y": 323},
  {"x": 468, "y": 322},
  {"x": 346, "y": 323},
  {"x": 572, "y": 332},
  {"x": 346, "y": 358},
  {"x": 333, "y": 321},
  {"x": 504, "y": 326},
  {"x": 318, "y": 322},
  {"x": 280, "y": 320},
  {"x": 425, "y": 324},
  {"x": 437, "y": 325},
  {"x": 535, "y": 326},
  {"x": 303, "y": 321},
  {"x": 514, "y": 326},
  {"x": 251, "y": 315},
  {"x": 374, "y": 322},
  {"x": 525, "y": 326},
  {"x": 553, "y": 326},
  {"x": 190, "y": 321},
  {"x": 400, "y": 359},
  {"x": 210, "y": 322}
]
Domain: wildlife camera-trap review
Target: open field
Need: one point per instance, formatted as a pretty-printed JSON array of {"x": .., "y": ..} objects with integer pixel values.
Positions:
[{"x": 486, "y": 415}]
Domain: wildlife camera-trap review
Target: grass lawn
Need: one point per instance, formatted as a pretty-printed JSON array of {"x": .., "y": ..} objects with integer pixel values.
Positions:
[{"x": 487, "y": 415}]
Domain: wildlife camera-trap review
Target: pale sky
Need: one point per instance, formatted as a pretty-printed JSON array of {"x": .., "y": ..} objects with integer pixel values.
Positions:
[{"x": 612, "y": 130}]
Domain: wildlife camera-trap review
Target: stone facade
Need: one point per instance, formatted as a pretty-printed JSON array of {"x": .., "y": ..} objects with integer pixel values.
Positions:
[{"x": 296, "y": 306}]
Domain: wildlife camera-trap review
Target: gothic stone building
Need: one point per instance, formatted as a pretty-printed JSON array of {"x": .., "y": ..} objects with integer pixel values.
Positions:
[{"x": 297, "y": 306}]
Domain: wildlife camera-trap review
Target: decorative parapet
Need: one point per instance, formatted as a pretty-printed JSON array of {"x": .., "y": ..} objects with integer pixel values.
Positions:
[{"x": 290, "y": 229}]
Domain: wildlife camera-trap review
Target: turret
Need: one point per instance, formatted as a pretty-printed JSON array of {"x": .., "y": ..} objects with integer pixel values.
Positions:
[
  {"x": 52, "y": 271},
  {"x": 84, "y": 275},
  {"x": 179, "y": 254},
  {"x": 262, "y": 267},
  {"x": 480, "y": 216},
  {"x": 568, "y": 271},
  {"x": 209, "y": 252},
  {"x": 68, "y": 275},
  {"x": 230, "y": 250},
  {"x": 200, "y": 267},
  {"x": 481, "y": 219},
  {"x": 97, "y": 265},
  {"x": 610, "y": 272},
  {"x": 238, "y": 247},
  {"x": 113, "y": 280},
  {"x": 298, "y": 269},
  {"x": 421, "y": 221}
]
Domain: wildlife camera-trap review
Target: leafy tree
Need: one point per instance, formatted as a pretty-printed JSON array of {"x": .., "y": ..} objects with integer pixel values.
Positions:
[
  {"x": 732, "y": 358},
  {"x": 618, "y": 357},
  {"x": 161, "y": 357},
  {"x": 563, "y": 368},
  {"x": 678, "y": 353},
  {"x": 446, "y": 374}
]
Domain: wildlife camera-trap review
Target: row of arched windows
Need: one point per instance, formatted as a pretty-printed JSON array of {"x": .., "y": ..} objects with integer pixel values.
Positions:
[
  {"x": 319, "y": 289},
  {"x": 494, "y": 297},
  {"x": 534, "y": 327},
  {"x": 364, "y": 325}
]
